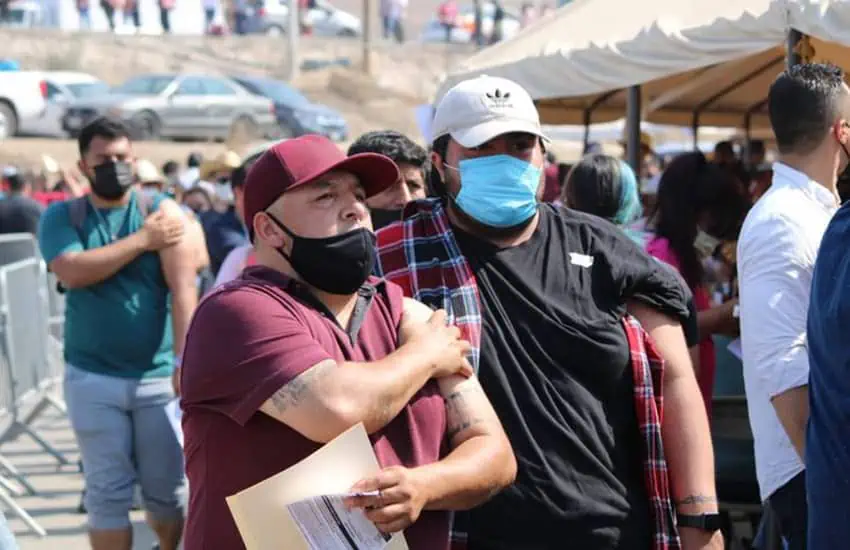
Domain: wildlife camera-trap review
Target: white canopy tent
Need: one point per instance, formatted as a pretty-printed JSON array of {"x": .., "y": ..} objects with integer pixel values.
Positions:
[{"x": 698, "y": 62}]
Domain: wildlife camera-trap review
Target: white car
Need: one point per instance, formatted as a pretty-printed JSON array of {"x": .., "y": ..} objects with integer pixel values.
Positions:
[
  {"x": 326, "y": 19},
  {"x": 23, "y": 99},
  {"x": 63, "y": 88},
  {"x": 465, "y": 26},
  {"x": 24, "y": 15},
  {"x": 33, "y": 102}
]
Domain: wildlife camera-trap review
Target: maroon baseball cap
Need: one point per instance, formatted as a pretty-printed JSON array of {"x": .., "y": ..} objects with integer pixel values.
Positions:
[{"x": 294, "y": 162}]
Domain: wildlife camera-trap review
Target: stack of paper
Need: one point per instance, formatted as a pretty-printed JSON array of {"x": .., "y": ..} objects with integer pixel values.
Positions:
[{"x": 301, "y": 508}]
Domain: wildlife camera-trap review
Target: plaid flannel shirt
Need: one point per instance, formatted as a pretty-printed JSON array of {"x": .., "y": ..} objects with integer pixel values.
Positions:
[{"x": 421, "y": 255}]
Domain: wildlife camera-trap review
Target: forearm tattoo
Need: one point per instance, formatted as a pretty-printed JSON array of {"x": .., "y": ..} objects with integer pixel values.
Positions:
[{"x": 697, "y": 499}]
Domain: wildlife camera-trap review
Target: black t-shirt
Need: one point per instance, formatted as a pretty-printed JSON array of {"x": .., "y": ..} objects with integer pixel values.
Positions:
[
  {"x": 19, "y": 214},
  {"x": 555, "y": 364},
  {"x": 690, "y": 326}
]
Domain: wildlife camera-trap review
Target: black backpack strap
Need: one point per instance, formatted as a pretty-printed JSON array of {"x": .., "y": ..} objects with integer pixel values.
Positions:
[{"x": 77, "y": 212}]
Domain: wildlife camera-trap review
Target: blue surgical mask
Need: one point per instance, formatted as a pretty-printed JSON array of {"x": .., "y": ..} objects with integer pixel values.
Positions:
[
  {"x": 150, "y": 193},
  {"x": 499, "y": 190}
]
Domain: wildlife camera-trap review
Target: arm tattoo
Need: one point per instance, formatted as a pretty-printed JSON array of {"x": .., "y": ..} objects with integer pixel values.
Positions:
[
  {"x": 459, "y": 417},
  {"x": 294, "y": 392},
  {"x": 697, "y": 499}
]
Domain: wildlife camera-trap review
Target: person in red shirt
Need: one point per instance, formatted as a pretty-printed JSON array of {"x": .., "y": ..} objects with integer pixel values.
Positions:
[
  {"x": 306, "y": 344},
  {"x": 447, "y": 15}
]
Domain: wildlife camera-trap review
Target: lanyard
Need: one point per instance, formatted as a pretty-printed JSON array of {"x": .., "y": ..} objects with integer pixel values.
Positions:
[{"x": 105, "y": 228}]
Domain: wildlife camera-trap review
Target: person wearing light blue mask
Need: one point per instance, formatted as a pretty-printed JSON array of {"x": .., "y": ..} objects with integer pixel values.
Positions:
[
  {"x": 541, "y": 294},
  {"x": 151, "y": 181},
  {"x": 500, "y": 190}
]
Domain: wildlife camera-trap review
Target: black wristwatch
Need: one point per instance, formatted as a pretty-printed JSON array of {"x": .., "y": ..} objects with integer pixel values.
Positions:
[{"x": 705, "y": 522}]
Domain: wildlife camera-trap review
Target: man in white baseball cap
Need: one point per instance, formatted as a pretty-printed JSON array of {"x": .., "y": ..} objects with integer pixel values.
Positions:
[
  {"x": 541, "y": 293},
  {"x": 478, "y": 110}
]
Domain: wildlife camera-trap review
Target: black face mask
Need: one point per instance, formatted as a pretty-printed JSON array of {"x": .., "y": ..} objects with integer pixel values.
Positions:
[
  {"x": 382, "y": 217},
  {"x": 112, "y": 180},
  {"x": 338, "y": 264}
]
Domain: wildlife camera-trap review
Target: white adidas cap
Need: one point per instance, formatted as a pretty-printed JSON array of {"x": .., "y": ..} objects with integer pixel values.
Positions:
[{"x": 477, "y": 110}]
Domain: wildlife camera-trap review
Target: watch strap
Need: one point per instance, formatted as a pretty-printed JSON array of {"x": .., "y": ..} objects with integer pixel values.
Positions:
[{"x": 704, "y": 522}]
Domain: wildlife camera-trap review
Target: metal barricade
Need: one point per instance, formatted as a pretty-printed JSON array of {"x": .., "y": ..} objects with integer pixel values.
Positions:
[
  {"x": 25, "y": 325},
  {"x": 31, "y": 363},
  {"x": 34, "y": 364},
  {"x": 17, "y": 246},
  {"x": 56, "y": 308}
]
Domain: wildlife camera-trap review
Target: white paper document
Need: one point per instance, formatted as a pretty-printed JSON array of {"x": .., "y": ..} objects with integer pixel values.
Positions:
[
  {"x": 301, "y": 508},
  {"x": 326, "y": 524},
  {"x": 735, "y": 349},
  {"x": 175, "y": 418}
]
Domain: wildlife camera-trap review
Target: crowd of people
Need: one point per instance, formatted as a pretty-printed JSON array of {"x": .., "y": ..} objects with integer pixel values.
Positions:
[
  {"x": 129, "y": 10},
  {"x": 238, "y": 16},
  {"x": 530, "y": 346}
]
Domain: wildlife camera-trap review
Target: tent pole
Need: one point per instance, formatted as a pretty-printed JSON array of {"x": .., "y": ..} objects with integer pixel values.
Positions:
[
  {"x": 792, "y": 57},
  {"x": 633, "y": 128},
  {"x": 695, "y": 130},
  {"x": 588, "y": 114}
]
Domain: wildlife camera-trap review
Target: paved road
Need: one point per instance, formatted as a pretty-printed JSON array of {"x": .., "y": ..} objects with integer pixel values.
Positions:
[{"x": 55, "y": 505}]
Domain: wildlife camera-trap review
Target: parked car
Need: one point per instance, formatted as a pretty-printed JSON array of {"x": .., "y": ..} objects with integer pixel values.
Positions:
[
  {"x": 63, "y": 88},
  {"x": 325, "y": 19},
  {"x": 296, "y": 115},
  {"x": 465, "y": 26},
  {"x": 181, "y": 106},
  {"x": 23, "y": 15},
  {"x": 23, "y": 99}
]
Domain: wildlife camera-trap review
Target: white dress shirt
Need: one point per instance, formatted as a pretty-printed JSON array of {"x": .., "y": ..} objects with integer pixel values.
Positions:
[{"x": 776, "y": 256}]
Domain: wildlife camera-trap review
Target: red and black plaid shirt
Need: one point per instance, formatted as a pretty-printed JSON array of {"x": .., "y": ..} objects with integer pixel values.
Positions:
[{"x": 422, "y": 256}]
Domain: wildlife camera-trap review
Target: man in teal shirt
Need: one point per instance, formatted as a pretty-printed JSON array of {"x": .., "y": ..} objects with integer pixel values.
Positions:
[{"x": 129, "y": 275}]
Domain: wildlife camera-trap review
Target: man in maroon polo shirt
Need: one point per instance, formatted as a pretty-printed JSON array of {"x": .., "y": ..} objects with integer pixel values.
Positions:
[{"x": 306, "y": 344}]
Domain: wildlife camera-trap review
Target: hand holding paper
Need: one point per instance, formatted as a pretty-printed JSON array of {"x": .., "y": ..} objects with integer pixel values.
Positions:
[
  {"x": 302, "y": 508},
  {"x": 392, "y": 499}
]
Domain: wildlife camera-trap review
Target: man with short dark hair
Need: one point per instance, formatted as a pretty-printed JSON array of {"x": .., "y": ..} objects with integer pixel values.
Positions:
[
  {"x": 19, "y": 212},
  {"x": 724, "y": 153},
  {"x": 542, "y": 294},
  {"x": 171, "y": 171},
  {"x": 410, "y": 158},
  {"x": 827, "y": 457},
  {"x": 809, "y": 109},
  {"x": 192, "y": 174},
  {"x": 128, "y": 272}
]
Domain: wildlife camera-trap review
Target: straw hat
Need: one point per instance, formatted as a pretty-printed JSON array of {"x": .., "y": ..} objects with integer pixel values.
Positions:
[
  {"x": 147, "y": 172},
  {"x": 225, "y": 162},
  {"x": 646, "y": 140}
]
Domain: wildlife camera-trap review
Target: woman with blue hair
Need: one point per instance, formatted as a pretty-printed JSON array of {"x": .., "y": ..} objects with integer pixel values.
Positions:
[{"x": 607, "y": 187}]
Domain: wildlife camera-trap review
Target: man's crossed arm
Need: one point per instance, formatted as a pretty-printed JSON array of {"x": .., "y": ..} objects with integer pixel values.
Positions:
[{"x": 328, "y": 398}]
